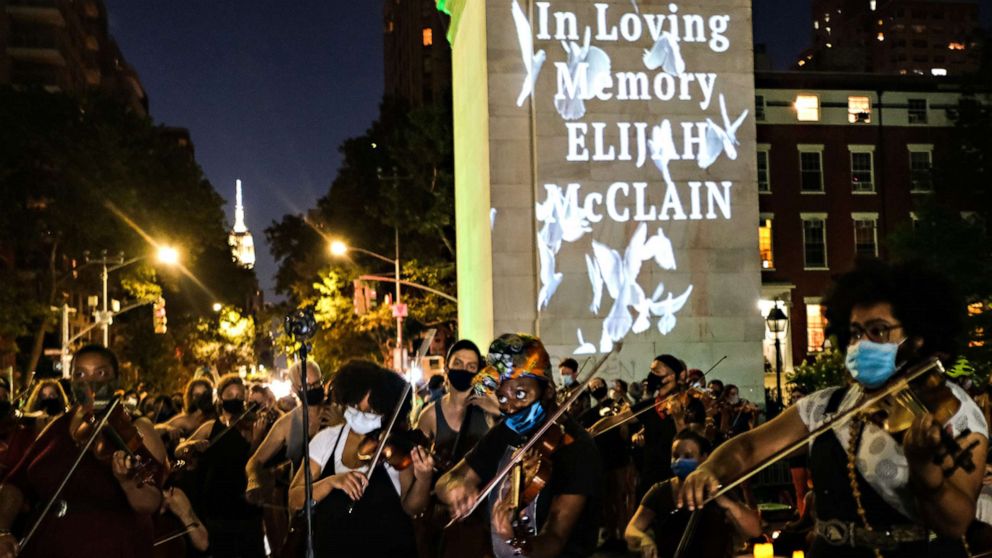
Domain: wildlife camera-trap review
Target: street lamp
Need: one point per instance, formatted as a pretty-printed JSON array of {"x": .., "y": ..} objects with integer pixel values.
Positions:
[
  {"x": 339, "y": 248},
  {"x": 164, "y": 254},
  {"x": 777, "y": 323}
]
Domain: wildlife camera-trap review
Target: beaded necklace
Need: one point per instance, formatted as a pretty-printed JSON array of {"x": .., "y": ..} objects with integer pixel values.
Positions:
[{"x": 856, "y": 429}]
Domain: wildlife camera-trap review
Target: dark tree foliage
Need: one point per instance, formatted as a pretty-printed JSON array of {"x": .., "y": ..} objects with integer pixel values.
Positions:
[{"x": 83, "y": 173}]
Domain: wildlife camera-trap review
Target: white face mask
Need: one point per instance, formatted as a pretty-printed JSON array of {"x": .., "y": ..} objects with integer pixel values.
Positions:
[{"x": 362, "y": 422}]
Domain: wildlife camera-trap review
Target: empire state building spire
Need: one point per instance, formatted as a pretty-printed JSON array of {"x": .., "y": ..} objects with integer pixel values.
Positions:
[{"x": 240, "y": 239}]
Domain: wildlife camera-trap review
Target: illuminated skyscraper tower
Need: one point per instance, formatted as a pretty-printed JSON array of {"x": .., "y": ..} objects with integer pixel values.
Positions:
[{"x": 241, "y": 241}]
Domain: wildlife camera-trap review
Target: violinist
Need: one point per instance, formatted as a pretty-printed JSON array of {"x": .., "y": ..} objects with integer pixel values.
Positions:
[
  {"x": 357, "y": 513},
  {"x": 877, "y": 493},
  {"x": 456, "y": 423},
  {"x": 47, "y": 400},
  {"x": 17, "y": 432},
  {"x": 565, "y": 511},
  {"x": 569, "y": 371},
  {"x": 281, "y": 452},
  {"x": 619, "y": 477},
  {"x": 198, "y": 408},
  {"x": 220, "y": 449},
  {"x": 103, "y": 510},
  {"x": 721, "y": 528},
  {"x": 734, "y": 415},
  {"x": 659, "y": 426}
]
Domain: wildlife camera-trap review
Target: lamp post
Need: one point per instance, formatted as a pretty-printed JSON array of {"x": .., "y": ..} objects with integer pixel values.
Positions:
[
  {"x": 339, "y": 248},
  {"x": 108, "y": 264},
  {"x": 777, "y": 322}
]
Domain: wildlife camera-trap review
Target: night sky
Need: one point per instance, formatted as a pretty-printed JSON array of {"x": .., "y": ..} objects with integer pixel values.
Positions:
[{"x": 269, "y": 90}]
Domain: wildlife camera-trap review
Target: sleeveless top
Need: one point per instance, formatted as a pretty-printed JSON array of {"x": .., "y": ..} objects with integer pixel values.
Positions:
[
  {"x": 92, "y": 517},
  {"x": 223, "y": 480},
  {"x": 377, "y": 525},
  {"x": 456, "y": 444}
]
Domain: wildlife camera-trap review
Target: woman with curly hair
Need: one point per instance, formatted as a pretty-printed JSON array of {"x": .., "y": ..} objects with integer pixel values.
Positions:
[{"x": 875, "y": 493}]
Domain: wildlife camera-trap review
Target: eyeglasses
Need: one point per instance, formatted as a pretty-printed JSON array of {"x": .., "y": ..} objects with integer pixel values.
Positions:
[{"x": 877, "y": 331}]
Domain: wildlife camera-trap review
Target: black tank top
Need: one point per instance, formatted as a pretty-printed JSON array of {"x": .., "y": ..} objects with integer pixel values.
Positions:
[
  {"x": 376, "y": 526},
  {"x": 223, "y": 480},
  {"x": 456, "y": 444}
]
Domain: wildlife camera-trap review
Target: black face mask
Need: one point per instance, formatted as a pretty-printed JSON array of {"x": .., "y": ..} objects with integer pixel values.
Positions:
[
  {"x": 654, "y": 383},
  {"x": 315, "y": 395},
  {"x": 600, "y": 393},
  {"x": 461, "y": 380},
  {"x": 94, "y": 393},
  {"x": 233, "y": 406},
  {"x": 52, "y": 406},
  {"x": 203, "y": 402}
]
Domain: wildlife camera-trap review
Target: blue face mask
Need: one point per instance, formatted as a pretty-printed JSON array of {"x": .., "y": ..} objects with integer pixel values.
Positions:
[
  {"x": 683, "y": 466},
  {"x": 872, "y": 364},
  {"x": 525, "y": 420},
  {"x": 569, "y": 381}
]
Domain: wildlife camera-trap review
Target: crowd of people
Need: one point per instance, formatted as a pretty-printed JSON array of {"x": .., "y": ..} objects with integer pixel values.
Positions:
[{"x": 502, "y": 457}]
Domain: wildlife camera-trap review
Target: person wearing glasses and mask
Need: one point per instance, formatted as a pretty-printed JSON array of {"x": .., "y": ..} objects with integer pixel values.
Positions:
[
  {"x": 281, "y": 451},
  {"x": 219, "y": 480},
  {"x": 358, "y": 513},
  {"x": 876, "y": 494},
  {"x": 456, "y": 423}
]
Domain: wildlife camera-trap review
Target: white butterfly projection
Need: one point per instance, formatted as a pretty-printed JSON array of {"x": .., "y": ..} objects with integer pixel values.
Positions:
[
  {"x": 665, "y": 54},
  {"x": 589, "y": 68},
  {"x": 720, "y": 140},
  {"x": 563, "y": 220},
  {"x": 663, "y": 151},
  {"x": 533, "y": 61},
  {"x": 619, "y": 276}
]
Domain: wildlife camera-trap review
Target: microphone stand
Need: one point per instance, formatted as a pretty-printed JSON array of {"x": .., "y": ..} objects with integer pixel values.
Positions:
[{"x": 302, "y": 326}]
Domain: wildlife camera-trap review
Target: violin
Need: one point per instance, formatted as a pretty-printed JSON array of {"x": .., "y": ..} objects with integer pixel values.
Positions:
[
  {"x": 244, "y": 427},
  {"x": 397, "y": 446},
  {"x": 928, "y": 394},
  {"x": 120, "y": 434}
]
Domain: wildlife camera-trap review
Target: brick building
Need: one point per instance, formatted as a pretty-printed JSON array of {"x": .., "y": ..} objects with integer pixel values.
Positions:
[
  {"x": 64, "y": 45},
  {"x": 909, "y": 37},
  {"x": 843, "y": 160}
]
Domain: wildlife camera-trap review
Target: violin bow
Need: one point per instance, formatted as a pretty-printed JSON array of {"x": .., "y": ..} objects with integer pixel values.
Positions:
[
  {"x": 175, "y": 535},
  {"x": 533, "y": 439},
  {"x": 65, "y": 480},
  {"x": 253, "y": 406},
  {"x": 840, "y": 419},
  {"x": 649, "y": 407},
  {"x": 377, "y": 456}
]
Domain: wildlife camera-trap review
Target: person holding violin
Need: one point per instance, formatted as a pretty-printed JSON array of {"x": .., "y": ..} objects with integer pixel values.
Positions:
[
  {"x": 104, "y": 509},
  {"x": 360, "y": 513},
  {"x": 218, "y": 452},
  {"x": 17, "y": 431},
  {"x": 198, "y": 408},
  {"x": 734, "y": 415},
  {"x": 282, "y": 451},
  {"x": 562, "y": 519},
  {"x": 721, "y": 527},
  {"x": 456, "y": 423},
  {"x": 659, "y": 426},
  {"x": 877, "y": 493},
  {"x": 47, "y": 400}
]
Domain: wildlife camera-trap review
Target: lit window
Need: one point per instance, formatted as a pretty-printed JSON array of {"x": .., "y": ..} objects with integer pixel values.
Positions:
[
  {"x": 816, "y": 24},
  {"x": 810, "y": 171},
  {"x": 765, "y": 243},
  {"x": 428, "y": 36},
  {"x": 955, "y": 46},
  {"x": 938, "y": 71},
  {"x": 858, "y": 110},
  {"x": 917, "y": 111},
  {"x": 830, "y": 45},
  {"x": 862, "y": 172},
  {"x": 871, "y": 4},
  {"x": 866, "y": 235},
  {"x": 808, "y": 108},
  {"x": 764, "y": 178},
  {"x": 815, "y": 328},
  {"x": 814, "y": 243},
  {"x": 880, "y": 37},
  {"x": 921, "y": 169}
]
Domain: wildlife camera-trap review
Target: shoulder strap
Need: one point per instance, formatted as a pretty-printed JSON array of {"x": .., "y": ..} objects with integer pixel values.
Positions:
[
  {"x": 835, "y": 399},
  {"x": 334, "y": 450}
]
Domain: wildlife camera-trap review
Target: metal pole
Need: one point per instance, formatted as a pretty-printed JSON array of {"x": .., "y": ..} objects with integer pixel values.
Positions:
[
  {"x": 778, "y": 367},
  {"x": 399, "y": 315},
  {"x": 103, "y": 315},
  {"x": 65, "y": 341}
]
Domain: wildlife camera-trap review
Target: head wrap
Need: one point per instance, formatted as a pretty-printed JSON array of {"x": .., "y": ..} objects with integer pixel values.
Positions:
[{"x": 518, "y": 355}]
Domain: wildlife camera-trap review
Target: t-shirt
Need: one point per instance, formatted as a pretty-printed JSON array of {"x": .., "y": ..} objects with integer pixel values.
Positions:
[
  {"x": 575, "y": 469},
  {"x": 713, "y": 535},
  {"x": 323, "y": 444},
  {"x": 881, "y": 460}
]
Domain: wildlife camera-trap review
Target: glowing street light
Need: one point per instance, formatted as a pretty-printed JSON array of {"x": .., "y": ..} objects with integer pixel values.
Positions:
[
  {"x": 338, "y": 248},
  {"x": 167, "y": 255},
  {"x": 217, "y": 307}
]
